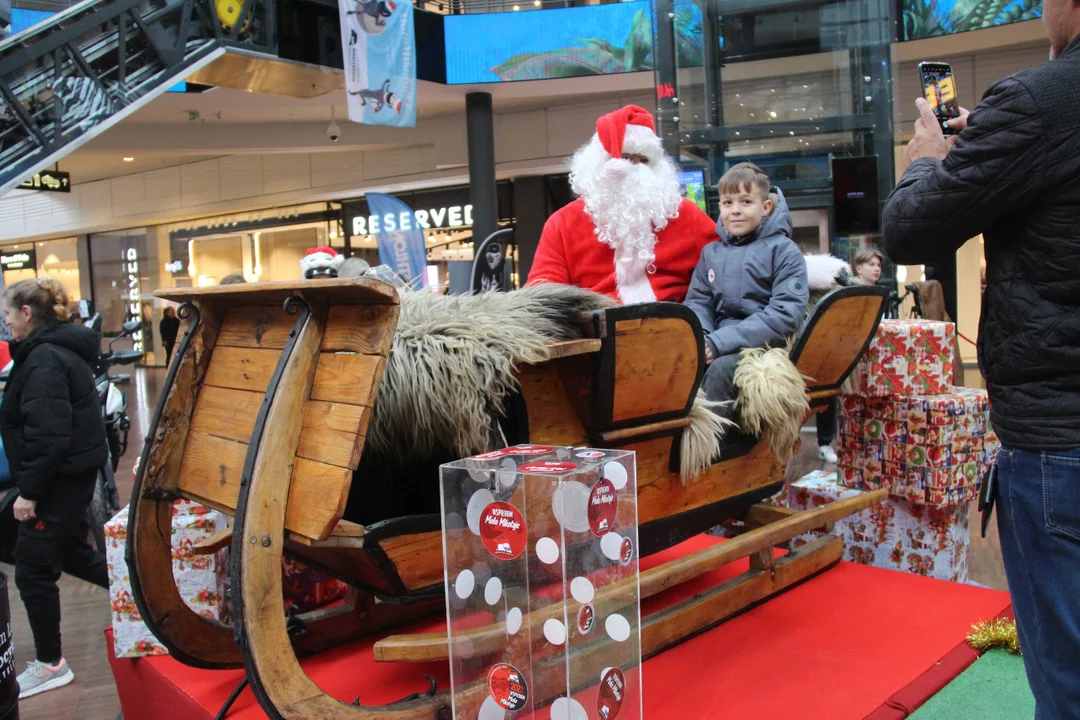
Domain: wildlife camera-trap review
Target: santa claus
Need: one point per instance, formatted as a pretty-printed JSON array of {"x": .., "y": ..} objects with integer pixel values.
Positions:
[{"x": 630, "y": 234}]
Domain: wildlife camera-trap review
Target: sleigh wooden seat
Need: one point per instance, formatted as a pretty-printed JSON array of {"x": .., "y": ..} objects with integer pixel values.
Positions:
[{"x": 264, "y": 417}]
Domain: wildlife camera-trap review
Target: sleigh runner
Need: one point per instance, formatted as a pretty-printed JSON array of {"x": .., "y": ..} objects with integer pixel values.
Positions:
[{"x": 266, "y": 412}]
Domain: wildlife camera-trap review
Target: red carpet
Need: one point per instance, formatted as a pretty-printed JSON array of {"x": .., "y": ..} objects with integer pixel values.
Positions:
[{"x": 838, "y": 646}]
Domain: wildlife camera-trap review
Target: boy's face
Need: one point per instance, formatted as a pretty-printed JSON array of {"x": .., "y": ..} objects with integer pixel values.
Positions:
[{"x": 741, "y": 212}]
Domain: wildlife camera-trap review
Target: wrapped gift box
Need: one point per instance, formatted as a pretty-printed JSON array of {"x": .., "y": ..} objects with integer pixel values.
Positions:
[
  {"x": 201, "y": 579},
  {"x": 896, "y": 534},
  {"x": 907, "y": 357},
  {"x": 928, "y": 449}
]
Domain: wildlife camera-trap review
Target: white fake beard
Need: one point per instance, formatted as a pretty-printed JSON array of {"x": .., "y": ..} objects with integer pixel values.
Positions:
[{"x": 629, "y": 204}]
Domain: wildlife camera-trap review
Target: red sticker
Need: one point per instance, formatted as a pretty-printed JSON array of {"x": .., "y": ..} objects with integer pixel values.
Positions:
[
  {"x": 530, "y": 449},
  {"x": 502, "y": 530},
  {"x": 586, "y": 618},
  {"x": 547, "y": 466},
  {"x": 612, "y": 691},
  {"x": 626, "y": 551},
  {"x": 507, "y": 687},
  {"x": 590, "y": 454},
  {"x": 493, "y": 455},
  {"x": 602, "y": 507}
]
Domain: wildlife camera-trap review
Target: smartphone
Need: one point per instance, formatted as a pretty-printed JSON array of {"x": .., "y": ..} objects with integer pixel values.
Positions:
[{"x": 939, "y": 88}]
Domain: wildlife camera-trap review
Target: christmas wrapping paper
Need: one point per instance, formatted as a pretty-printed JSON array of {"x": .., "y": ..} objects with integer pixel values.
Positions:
[
  {"x": 306, "y": 589},
  {"x": 928, "y": 449},
  {"x": 201, "y": 579},
  {"x": 907, "y": 357},
  {"x": 896, "y": 534}
]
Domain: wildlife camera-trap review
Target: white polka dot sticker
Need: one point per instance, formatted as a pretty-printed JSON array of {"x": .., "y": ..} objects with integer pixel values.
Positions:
[
  {"x": 570, "y": 503},
  {"x": 568, "y": 709},
  {"x": 618, "y": 628},
  {"x": 555, "y": 632},
  {"x": 464, "y": 584},
  {"x": 611, "y": 546},
  {"x": 582, "y": 590},
  {"x": 513, "y": 621},
  {"x": 479, "y": 500},
  {"x": 493, "y": 591},
  {"x": 615, "y": 473},
  {"x": 547, "y": 550},
  {"x": 490, "y": 710}
]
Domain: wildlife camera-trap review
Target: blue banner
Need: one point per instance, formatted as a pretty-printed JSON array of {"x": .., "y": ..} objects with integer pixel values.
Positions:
[
  {"x": 380, "y": 61},
  {"x": 400, "y": 237}
]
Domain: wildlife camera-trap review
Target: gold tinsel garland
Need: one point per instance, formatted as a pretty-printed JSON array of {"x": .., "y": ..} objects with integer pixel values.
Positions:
[{"x": 997, "y": 633}]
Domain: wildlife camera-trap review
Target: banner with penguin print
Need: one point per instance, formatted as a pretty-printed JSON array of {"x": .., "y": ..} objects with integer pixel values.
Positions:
[{"x": 380, "y": 61}]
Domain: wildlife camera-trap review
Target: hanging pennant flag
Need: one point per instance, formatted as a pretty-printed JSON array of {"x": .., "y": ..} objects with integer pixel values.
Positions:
[
  {"x": 400, "y": 237},
  {"x": 380, "y": 61}
]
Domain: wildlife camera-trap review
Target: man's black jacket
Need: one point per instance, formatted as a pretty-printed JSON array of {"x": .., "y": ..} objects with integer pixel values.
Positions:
[
  {"x": 1014, "y": 176},
  {"x": 51, "y": 418}
]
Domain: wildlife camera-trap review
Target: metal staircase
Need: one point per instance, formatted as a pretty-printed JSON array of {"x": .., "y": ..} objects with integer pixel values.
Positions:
[{"x": 70, "y": 78}]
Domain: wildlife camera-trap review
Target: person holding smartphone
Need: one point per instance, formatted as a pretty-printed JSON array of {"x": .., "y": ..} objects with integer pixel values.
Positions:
[{"x": 1013, "y": 175}]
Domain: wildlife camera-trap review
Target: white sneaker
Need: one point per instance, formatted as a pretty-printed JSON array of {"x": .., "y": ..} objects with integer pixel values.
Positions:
[
  {"x": 826, "y": 453},
  {"x": 39, "y": 677}
]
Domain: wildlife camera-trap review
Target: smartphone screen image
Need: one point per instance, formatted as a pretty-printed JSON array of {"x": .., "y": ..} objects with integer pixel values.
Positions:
[{"x": 939, "y": 89}]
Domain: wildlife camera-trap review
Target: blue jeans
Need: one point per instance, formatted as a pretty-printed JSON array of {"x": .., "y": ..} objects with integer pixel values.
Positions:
[{"x": 1039, "y": 522}]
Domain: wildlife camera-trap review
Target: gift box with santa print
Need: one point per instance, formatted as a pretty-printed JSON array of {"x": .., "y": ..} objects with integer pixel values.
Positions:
[
  {"x": 541, "y": 561},
  {"x": 200, "y": 579},
  {"x": 929, "y": 449},
  {"x": 906, "y": 357},
  {"x": 897, "y": 535}
]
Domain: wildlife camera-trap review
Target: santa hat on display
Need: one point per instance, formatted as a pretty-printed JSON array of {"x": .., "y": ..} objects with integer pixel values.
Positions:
[
  {"x": 628, "y": 130},
  {"x": 321, "y": 262}
]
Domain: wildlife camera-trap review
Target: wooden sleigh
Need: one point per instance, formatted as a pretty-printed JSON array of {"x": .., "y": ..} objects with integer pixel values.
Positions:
[{"x": 264, "y": 416}]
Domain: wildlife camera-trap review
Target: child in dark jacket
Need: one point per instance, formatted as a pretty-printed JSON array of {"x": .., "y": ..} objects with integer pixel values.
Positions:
[{"x": 750, "y": 287}]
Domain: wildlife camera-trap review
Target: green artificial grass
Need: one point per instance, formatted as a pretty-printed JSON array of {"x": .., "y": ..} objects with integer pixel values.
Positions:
[{"x": 993, "y": 688}]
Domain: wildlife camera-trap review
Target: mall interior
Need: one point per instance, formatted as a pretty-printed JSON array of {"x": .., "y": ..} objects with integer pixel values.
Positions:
[{"x": 239, "y": 161}]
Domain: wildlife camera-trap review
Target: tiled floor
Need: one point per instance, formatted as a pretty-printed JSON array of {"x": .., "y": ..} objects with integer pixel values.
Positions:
[{"x": 86, "y": 609}]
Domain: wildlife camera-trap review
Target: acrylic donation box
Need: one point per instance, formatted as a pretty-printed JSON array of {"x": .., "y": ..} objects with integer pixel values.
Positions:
[{"x": 540, "y": 549}]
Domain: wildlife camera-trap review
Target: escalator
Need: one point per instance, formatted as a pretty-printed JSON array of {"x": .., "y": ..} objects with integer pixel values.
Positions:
[{"x": 73, "y": 76}]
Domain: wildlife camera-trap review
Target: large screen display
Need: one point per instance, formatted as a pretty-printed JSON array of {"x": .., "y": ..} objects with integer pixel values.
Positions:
[
  {"x": 693, "y": 187},
  {"x": 929, "y": 18},
  {"x": 855, "y": 194},
  {"x": 564, "y": 42}
]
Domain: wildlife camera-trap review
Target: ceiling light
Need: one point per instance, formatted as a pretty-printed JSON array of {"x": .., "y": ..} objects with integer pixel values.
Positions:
[
  {"x": 736, "y": 132},
  {"x": 129, "y": 159},
  {"x": 772, "y": 113},
  {"x": 517, "y": 7},
  {"x": 536, "y": 3},
  {"x": 791, "y": 133}
]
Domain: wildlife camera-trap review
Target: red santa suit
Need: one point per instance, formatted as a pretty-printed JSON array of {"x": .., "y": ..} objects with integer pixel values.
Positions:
[
  {"x": 570, "y": 253},
  {"x": 630, "y": 235}
]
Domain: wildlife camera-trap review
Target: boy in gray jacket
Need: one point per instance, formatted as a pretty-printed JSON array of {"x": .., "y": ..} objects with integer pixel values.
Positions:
[{"x": 750, "y": 287}]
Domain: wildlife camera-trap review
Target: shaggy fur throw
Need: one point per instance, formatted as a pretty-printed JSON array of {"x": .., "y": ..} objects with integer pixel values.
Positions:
[
  {"x": 770, "y": 397},
  {"x": 451, "y": 366},
  {"x": 701, "y": 440}
]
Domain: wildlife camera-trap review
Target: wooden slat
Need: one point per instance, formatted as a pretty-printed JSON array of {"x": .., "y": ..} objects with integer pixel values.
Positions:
[
  {"x": 242, "y": 368},
  {"x": 345, "y": 534},
  {"x": 226, "y": 413},
  {"x": 838, "y": 338},
  {"x": 334, "y": 447},
  {"x": 566, "y": 348},
  {"x": 644, "y": 430},
  {"x": 317, "y": 498},
  {"x": 417, "y": 558},
  {"x": 211, "y": 470},
  {"x": 365, "y": 329},
  {"x": 212, "y": 543},
  {"x": 337, "y": 416},
  {"x": 256, "y": 327},
  {"x": 656, "y": 363},
  {"x": 347, "y": 378}
]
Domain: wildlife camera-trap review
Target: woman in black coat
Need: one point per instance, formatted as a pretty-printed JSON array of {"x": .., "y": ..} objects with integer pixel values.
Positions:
[
  {"x": 169, "y": 327},
  {"x": 54, "y": 437}
]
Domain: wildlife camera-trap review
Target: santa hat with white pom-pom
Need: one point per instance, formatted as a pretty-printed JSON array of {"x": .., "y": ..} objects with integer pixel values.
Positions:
[
  {"x": 321, "y": 262},
  {"x": 630, "y": 131}
]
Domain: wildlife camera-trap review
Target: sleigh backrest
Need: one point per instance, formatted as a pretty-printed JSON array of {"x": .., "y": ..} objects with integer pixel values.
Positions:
[
  {"x": 835, "y": 336},
  {"x": 246, "y": 331}
]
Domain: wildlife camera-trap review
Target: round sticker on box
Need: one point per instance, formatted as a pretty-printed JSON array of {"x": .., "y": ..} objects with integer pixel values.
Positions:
[
  {"x": 586, "y": 618},
  {"x": 502, "y": 530},
  {"x": 626, "y": 551},
  {"x": 602, "y": 507},
  {"x": 529, "y": 450},
  {"x": 547, "y": 466},
  {"x": 493, "y": 455},
  {"x": 507, "y": 687},
  {"x": 591, "y": 454},
  {"x": 609, "y": 699}
]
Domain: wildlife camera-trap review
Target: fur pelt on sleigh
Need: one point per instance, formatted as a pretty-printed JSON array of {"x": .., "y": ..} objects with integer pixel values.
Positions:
[{"x": 450, "y": 374}]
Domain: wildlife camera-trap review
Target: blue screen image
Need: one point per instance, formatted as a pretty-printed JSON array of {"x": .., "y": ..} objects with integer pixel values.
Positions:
[{"x": 694, "y": 183}]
